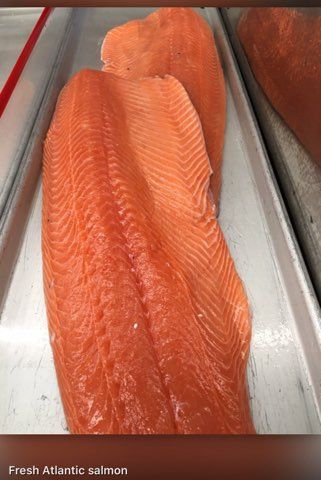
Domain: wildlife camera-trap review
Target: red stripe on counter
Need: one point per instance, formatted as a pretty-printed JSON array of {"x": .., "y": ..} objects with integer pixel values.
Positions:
[{"x": 14, "y": 76}]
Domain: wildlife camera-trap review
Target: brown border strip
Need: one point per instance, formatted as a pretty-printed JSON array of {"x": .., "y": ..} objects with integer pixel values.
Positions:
[{"x": 159, "y": 3}]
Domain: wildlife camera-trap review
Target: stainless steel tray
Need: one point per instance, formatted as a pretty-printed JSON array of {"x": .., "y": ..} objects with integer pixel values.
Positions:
[
  {"x": 15, "y": 26},
  {"x": 17, "y": 120},
  {"x": 284, "y": 367},
  {"x": 298, "y": 174}
]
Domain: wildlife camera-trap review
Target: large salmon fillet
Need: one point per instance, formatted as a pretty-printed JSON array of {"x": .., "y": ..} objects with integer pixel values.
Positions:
[
  {"x": 283, "y": 47},
  {"x": 179, "y": 42},
  {"x": 148, "y": 319}
]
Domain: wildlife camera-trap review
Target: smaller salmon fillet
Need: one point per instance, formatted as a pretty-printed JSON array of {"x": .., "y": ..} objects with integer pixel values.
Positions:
[
  {"x": 283, "y": 47},
  {"x": 179, "y": 42}
]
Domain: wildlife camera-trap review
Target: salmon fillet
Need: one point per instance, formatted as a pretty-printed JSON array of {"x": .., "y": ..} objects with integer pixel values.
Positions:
[
  {"x": 283, "y": 47},
  {"x": 179, "y": 42},
  {"x": 148, "y": 319}
]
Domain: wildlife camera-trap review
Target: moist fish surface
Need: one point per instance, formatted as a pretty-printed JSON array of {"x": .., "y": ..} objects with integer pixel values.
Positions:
[
  {"x": 149, "y": 322},
  {"x": 179, "y": 42},
  {"x": 283, "y": 47}
]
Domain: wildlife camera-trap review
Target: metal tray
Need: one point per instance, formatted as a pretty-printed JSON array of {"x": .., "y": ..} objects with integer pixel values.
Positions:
[
  {"x": 18, "y": 118},
  {"x": 284, "y": 366},
  {"x": 15, "y": 26},
  {"x": 298, "y": 174}
]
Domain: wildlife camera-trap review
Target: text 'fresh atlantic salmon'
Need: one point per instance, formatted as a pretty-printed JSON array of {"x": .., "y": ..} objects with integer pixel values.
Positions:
[
  {"x": 179, "y": 42},
  {"x": 283, "y": 47},
  {"x": 148, "y": 319}
]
